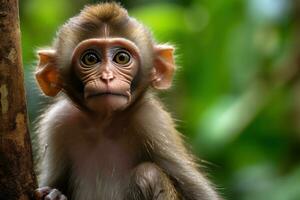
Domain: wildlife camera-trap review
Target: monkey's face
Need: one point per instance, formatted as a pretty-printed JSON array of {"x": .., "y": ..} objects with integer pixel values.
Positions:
[
  {"x": 106, "y": 68},
  {"x": 105, "y": 74}
]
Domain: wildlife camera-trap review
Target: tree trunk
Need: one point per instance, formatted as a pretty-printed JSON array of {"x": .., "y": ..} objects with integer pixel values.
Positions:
[{"x": 17, "y": 179}]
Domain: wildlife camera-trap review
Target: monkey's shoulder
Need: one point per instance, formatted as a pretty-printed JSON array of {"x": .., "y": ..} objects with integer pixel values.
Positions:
[
  {"x": 151, "y": 113},
  {"x": 61, "y": 114}
]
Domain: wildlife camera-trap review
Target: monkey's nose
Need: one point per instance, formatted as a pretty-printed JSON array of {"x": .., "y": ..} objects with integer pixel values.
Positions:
[{"x": 107, "y": 76}]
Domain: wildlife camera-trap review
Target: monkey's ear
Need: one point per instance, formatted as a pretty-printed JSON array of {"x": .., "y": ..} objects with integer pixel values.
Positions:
[
  {"x": 164, "y": 67},
  {"x": 47, "y": 74}
]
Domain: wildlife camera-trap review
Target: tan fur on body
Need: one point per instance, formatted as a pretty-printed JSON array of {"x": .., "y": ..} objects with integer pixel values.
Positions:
[{"x": 130, "y": 153}]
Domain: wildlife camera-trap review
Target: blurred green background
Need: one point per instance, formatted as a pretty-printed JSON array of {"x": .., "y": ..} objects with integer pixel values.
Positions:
[{"x": 237, "y": 88}]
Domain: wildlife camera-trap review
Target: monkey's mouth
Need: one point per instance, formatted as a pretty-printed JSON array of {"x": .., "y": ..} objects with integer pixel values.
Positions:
[{"x": 105, "y": 94}]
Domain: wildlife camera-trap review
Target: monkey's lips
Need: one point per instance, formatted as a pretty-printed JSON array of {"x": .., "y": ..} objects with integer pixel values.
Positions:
[
  {"x": 105, "y": 94},
  {"x": 107, "y": 101}
]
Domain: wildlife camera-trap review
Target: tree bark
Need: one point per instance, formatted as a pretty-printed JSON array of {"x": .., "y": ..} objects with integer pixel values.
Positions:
[{"x": 17, "y": 179}]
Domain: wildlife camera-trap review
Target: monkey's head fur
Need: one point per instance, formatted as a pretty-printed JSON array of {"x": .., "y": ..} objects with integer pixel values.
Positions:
[{"x": 103, "y": 60}]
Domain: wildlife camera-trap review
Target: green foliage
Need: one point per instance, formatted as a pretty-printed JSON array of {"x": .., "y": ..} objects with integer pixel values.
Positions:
[{"x": 233, "y": 93}]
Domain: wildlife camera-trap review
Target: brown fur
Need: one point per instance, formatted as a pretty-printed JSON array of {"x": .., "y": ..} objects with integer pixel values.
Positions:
[{"x": 134, "y": 154}]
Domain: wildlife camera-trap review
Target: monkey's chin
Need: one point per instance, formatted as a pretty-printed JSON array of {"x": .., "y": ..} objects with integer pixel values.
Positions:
[{"x": 109, "y": 103}]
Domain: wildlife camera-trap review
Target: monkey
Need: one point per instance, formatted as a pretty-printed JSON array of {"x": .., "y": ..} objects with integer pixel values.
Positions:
[{"x": 106, "y": 134}]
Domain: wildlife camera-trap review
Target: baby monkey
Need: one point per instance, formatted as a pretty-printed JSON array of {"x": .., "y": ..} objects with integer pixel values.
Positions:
[{"x": 107, "y": 135}]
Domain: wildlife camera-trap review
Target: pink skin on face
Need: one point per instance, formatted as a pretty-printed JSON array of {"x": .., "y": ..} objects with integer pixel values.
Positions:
[{"x": 111, "y": 66}]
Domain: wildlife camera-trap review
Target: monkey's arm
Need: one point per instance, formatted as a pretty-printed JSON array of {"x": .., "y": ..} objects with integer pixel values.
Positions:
[
  {"x": 54, "y": 177},
  {"x": 180, "y": 166},
  {"x": 167, "y": 150},
  {"x": 54, "y": 174},
  {"x": 54, "y": 166}
]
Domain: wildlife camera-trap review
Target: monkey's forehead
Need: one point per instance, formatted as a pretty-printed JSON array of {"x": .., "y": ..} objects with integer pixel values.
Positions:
[
  {"x": 102, "y": 19},
  {"x": 106, "y": 20},
  {"x": 75, "y": 32}
]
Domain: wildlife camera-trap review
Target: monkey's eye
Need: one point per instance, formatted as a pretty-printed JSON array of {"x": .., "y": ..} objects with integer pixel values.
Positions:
[
  {"x": 122, "y": 58},
  {"x": 90, "y": 58}
]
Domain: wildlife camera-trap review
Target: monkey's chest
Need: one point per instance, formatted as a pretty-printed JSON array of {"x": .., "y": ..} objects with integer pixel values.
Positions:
[
  {"x": 104, "y": 157},
  {"x": 100, "y": 168}
]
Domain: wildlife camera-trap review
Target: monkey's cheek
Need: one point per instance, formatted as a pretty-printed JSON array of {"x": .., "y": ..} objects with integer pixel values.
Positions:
[{"x": 106, "y": 103}]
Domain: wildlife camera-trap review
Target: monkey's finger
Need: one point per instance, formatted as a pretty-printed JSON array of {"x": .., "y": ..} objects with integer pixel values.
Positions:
[
  {"x": 62, "y": 197},
  {"x": 53, "y": 194},
  {"x": 41, "y": 192}
]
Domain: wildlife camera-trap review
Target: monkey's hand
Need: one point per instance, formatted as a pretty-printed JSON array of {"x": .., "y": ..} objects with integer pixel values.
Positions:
[{"x": 47, "y": 193}]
